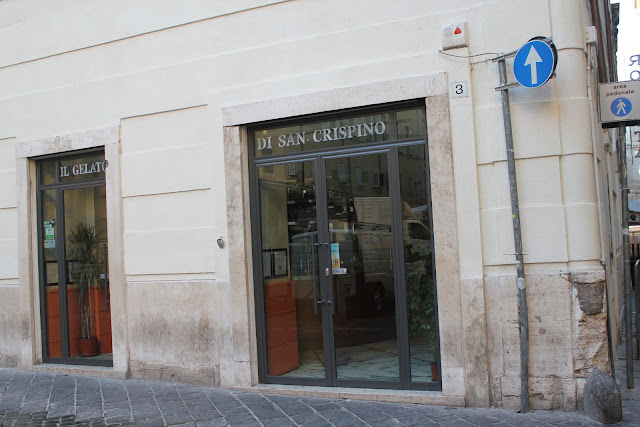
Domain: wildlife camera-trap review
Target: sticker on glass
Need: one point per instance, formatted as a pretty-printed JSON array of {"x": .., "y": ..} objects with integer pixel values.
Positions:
[{"x": 335, "y": 255}]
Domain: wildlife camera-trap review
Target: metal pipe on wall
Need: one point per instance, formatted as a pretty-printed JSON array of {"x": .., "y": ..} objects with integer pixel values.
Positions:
[
  {"x": 636, "y": 277},
  {"x": 624, "y": 195},
  {"x": 597, "y": 22}
]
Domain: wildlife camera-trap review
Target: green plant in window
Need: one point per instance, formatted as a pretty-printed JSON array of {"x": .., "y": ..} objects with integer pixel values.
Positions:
[
  {"x": 84, "y": 245},
  {"x": 421, "y": 305}
]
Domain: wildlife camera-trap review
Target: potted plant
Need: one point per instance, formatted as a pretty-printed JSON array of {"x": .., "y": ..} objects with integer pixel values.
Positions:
[
  {"x": 84, "y": 251},
  {"x": 422, "y": 309}
]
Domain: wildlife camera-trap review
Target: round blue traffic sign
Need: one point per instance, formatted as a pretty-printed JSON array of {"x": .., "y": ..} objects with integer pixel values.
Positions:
[
  {"x": 534, "y": 63},
  {"x": 621, "y": 107}
]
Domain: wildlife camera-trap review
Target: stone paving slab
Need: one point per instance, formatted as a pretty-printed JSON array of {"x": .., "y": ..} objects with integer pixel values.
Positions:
[
  {"x": 630, "y": 396},
  {"x": 45, "y": 399}
]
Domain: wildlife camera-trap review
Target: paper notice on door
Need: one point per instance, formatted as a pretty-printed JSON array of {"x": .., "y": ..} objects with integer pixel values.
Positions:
[
  {"x": 280, "y": 263},
  {"x": 49, "y": 233},
  {"x": 335, "y": 255}
]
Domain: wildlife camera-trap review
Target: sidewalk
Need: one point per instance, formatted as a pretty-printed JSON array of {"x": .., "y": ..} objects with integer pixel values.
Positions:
[
  {"x": 630, "y": 396},
  {"x": 41, "y": 399}
]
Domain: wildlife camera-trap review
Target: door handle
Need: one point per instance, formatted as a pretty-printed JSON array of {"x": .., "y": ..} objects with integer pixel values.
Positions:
[
  {"x": 326, "y": 271},
  {"x": 107, "y": 296},
  {"x": 314, "y": 256}
]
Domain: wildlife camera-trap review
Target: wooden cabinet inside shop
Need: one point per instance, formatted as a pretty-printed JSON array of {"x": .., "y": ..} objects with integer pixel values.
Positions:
[{"x": 282, "y": 332}]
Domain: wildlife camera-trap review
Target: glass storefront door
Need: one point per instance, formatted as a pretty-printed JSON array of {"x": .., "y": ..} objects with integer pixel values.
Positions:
[
  {"x": 291, "y": 289},
  {"x": 345, "y": 285},
  {"x": 72, "y": 222},
  {"x": 362, "y": 273}
]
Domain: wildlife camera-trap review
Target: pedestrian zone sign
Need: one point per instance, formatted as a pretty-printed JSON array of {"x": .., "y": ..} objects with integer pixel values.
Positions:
[{"x": 619, "y": 102}]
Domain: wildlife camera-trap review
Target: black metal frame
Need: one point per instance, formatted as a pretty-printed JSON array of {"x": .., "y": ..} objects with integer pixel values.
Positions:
[
  {"x": 59, "y": 188},
  {"x": 318, "y": 157}
]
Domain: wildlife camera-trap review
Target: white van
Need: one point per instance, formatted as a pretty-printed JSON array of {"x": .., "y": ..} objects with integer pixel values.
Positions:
[{"x": 417, "y": 240}]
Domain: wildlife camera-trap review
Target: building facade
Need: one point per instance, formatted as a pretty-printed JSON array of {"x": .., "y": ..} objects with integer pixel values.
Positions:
[
  {"x": 628, "y": 66},
  {"x": 306, "y": 197}
]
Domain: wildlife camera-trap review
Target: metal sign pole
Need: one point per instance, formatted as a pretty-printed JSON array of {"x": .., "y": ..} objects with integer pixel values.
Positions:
[
  {"x": 517, "y": 236},
  {"x": 619, "y": 103},
  {"x": 624, "y": 195}
]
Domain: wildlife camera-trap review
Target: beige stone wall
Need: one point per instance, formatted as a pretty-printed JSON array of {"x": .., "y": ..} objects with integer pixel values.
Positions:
[
  {"x": 169, "y": 239},
  {"x": 175, "y": 88},
  {"x": 567, "y": 330},
  {"x": 172, "y": 336},
  {"x": 454, "y": 355},
  {"x": 561, "y": 214},
  {"x": 10, "y": 337}
]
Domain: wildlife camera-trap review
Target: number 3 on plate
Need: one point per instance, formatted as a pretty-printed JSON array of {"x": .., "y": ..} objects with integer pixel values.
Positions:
[{"x": 459, "y": 90}]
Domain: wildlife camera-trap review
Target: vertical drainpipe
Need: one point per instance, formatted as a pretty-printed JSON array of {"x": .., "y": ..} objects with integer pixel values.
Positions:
[
  {"x": 624, "y": 195},
  {"x": 597, "y": 22}
]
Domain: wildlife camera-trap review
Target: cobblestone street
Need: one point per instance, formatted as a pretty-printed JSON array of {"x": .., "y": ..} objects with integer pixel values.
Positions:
[
  {"x": 630, "y": 396},
  {"x": 42, "y": 399}
]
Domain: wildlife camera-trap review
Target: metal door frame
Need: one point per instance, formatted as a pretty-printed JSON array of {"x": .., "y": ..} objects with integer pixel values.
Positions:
[
  {"x": 318, "y": 158},
  {"x": 60, "y": 188}
]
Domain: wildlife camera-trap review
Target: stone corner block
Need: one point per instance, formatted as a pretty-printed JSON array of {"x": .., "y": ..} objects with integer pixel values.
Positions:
[{"x": 602, "y": 400}]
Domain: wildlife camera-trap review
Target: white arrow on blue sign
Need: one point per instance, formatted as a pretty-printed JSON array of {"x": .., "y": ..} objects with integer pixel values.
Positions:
[{"x": 534, "y": 63}]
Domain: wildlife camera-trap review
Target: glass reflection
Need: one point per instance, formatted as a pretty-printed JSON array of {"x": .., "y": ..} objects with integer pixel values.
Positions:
[
  {"x": 411, "y": 123},
  {"x": 359, "y": 210},
  {"x": 51, "y": 285},
  {"x": 418, "y": 262},
  {"x": 88, "y": 296},
  {"x": 290, "y": 271},
  {"x": 48, "y": 172}
]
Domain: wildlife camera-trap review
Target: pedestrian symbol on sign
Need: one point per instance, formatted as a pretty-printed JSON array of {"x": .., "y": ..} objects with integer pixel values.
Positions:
[
  {"x": 621, "y": 107},
  {"x": 619, "y": 102}
]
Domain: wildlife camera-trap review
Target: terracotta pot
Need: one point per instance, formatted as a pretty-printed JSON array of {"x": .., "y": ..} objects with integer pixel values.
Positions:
[
  {"x": 88, "y": 346},
  {"x": 435, "y": 372}
]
